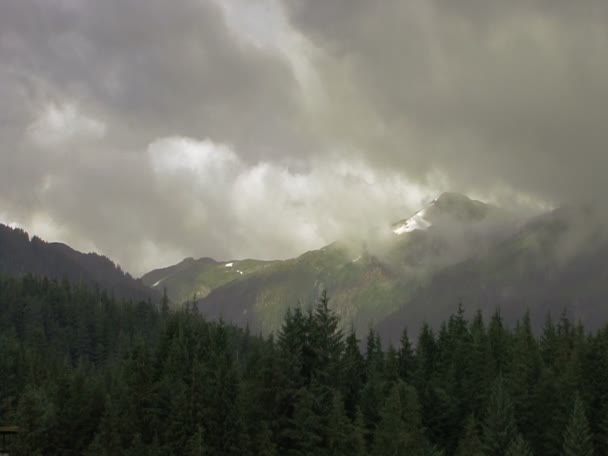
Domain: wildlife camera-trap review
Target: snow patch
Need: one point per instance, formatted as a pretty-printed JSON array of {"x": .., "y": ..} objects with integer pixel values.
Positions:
[
  {"x": 157, "y": 283},
  {"x": 415, "y": 222},
  {"x": 239, "y": 271},
  {"x": 229, "y": 265}
]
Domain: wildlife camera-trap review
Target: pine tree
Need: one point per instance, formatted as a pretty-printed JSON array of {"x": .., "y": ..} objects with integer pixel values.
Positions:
[
  {"x": 498, "y": 337},
  {"x": 373, "y": 355},
  {"x": 109, "y": 434},
  {"x": 426, "y": 353},
  {"x": 353, "y": 378},
  {"x": 195, "y": 445},
  {"x": 390, "y": 437},
  {"x": 306, "y": 432},
  {"x": 344, "y": 439},
  {"x": 578, "y": 440},
  {"x": 602, "y": 435},
  {"x": 326, "y": 340},
  {"x": 35, "y": 417},
  {"x": 524, "y": 376},
  {"x": 499, "y": 429},
  {"x": 358, "y": 443},
  {"x": 406, "y": 357},
  {"x": 412, "y": 418},
  {"x": 164, "y": 302},
  {"x": 470, "y": 443},
  {"x": 519, "y": 447},
  {"x": 391, "y": 365},
  {"x": 399, "y": 431},
  {"x": 223, "y": 413}
]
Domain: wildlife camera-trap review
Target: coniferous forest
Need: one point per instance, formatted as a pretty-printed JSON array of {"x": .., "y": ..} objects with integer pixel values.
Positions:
[{"x": 84, "y": 373}]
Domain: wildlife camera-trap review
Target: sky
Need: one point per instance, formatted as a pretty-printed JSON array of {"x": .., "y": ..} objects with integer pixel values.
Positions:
[{"x": 150, "y": 131}]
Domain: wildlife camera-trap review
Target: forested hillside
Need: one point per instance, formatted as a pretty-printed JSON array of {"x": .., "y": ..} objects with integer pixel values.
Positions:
[
  {"x": 82, "y": 373},
  {"x": 21, "y": 254}
]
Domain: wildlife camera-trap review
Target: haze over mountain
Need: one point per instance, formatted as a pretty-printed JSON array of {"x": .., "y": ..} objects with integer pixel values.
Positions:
[{"x": 453, "y": 251}]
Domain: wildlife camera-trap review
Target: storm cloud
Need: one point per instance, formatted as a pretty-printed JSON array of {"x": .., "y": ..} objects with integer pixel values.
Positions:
[{"x": 153, "y": 130}]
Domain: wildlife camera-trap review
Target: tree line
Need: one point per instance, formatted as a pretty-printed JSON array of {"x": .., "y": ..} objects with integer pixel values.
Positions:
[{"x": 84, "y": 373}]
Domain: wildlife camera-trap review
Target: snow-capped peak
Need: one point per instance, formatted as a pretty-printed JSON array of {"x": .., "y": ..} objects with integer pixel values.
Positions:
[
  {"x": 453, "y": 206},
  {"x": 415, "y": 222}
]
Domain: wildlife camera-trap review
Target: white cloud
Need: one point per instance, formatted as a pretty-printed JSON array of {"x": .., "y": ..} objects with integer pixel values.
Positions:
[
  {"x": 204, "y": 158},
  {"x": 270, "y": 209}
]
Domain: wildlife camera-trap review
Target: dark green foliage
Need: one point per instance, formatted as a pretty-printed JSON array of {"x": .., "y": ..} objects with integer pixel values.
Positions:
[
  {"x": 578, "y": 439},
  {"x": 499, "y": 428},
  {"x": 470, "y": 443},
  {"x": 406, "y": 358},
  {"x": 83, "y": 373},
  {"x": 390, "y": 436},
  {"x": 519, "y": 447}
]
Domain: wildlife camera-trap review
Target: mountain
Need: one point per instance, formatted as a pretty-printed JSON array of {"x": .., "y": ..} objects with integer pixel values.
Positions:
[
  {"x": 366, "y": 281},
  {"x": 360, "y": 285},
  {"x": 454, "y": 206},
  {"x": 556, "y": 262},
  {"x": 192, "y": 278},
  {"x": 20, "y": 254},
  {"x": 454, "y": 250}
]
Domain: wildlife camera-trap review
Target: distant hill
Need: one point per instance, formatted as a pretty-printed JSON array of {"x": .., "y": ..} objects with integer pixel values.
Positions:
[
  {"x": 20, "y": 254},
  {"x": 195, "y": 279}
]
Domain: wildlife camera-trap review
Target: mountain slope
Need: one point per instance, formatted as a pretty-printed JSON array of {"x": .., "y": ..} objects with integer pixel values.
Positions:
[
  {"x": 20, "y": 255},
  {"x": 365, "y": 285},
  {"x": 192, "y": 278},
  {"x": 360, "y": 286},
  {"x": 557, "y": 262}
]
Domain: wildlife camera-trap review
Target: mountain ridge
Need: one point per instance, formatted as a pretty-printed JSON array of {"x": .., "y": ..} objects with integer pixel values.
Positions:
[{"x": 21, "y": 254}]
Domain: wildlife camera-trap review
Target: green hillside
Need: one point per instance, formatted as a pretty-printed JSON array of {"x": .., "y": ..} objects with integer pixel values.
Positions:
[
  {"x": 366, "y": 283},
  {"x": 361, "y": 287},
  {"x": 195, "y": 279}
]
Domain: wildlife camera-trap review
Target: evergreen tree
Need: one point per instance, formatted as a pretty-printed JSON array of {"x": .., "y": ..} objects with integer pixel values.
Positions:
[
  {"x": 390, "y": 437},
  {"x": 519, "y": 447},
  {"x": 164, "y": 302},
  {"x": 602, "y": 435},
  {"x": 499, "y": 340},
  {"x": 470, "y": 443},
  {"x": 306, "y": 432},
  {"x": 577, "y": 439},
  {"x": 326, "y": 340},
  {"x": 344, "y": 439},
  {"x": 391, "y": 365},
  {"x": 524, "y": 376},
  {"x": 353, "y": 378},
  {"x": 499, "y": 429},
  {"x": 84, "y": 373},
  {"x": 399, "y": 431},
  {"x": 406, "y": 357}
]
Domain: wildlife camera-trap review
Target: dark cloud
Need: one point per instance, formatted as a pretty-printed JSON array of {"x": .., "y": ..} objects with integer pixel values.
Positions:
[
  {"x": 86, "y": 86},
  {"x": 151, "y": 130},
  {"x": 489, "y": 93}
]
